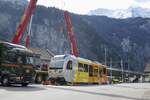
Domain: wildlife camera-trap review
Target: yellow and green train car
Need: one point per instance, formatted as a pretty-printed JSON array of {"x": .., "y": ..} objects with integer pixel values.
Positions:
[{"x": 76, "y": 70}]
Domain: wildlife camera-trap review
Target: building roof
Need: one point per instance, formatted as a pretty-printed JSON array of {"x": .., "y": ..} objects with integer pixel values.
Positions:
[
  {"x": 147, "y": 68},
  {"x": 44, "y": 53}
]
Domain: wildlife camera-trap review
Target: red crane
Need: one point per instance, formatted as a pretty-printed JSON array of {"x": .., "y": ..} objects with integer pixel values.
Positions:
[
  {"x": 71, "y": 35},
  {"x": 24, "y": 22}
]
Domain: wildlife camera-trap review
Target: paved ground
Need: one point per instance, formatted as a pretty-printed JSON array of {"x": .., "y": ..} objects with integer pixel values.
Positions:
[{"x": 134, "y": 91}]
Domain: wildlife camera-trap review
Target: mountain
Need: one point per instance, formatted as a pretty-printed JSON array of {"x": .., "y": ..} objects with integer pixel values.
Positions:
[
  {"x": 16, "y": 2},
  {"x": 127, "y": 39},
  {"x": 122, "y": 13}
]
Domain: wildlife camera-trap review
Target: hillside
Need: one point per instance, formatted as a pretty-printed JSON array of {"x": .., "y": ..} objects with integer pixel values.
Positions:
[{"x": 128, "y": 39}]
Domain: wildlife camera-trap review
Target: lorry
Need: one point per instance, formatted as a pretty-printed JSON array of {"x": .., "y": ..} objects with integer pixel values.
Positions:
[
  {"x": 40, "y": 73},
  {"x": 16, "y": 64}
]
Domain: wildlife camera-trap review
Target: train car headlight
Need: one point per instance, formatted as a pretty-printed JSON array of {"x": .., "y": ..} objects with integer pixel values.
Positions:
[
  {"x": 17, "y": 78},
  {"x": 27, "y": 71}
]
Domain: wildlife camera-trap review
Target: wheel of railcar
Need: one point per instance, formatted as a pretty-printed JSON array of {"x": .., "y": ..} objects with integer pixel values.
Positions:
[
  {"x": 5, "y": 81},
  {"x": 39, "y": 79},
  {"x": 62, "y": 82},
  {"x": 24, "y": 84},
  {"x": 52, "y": 82}
]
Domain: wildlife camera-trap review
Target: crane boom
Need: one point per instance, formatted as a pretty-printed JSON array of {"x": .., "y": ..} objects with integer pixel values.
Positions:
[
  {"x": 71, "y": 35},
  {"x": 24, "y": 22},
  {"x": 27, "y": 42}
]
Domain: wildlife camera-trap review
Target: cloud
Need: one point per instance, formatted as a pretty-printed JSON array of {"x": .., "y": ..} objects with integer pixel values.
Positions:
[{"x": 142, "y": 1}]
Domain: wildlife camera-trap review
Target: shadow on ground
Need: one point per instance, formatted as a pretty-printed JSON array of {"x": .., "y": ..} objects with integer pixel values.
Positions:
[
  {"x": 96, "y": 93},
  {"x": 118, "y": 85},
  {"x": 29, "y": 88}
]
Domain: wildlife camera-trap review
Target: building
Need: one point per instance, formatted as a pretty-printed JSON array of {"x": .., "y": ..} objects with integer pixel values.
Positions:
[
  {"x": 41, "y": 56},
  {"x": 147, "y": 73}
]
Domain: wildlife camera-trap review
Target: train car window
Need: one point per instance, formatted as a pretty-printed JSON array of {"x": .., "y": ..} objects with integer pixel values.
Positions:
[
  {"x": 80, "y": 67},
  {"x": 96, "y": 72},
  {"x": 104, "y": 70},
  {"x": 9, "y": 58},
  {"x": 90, "y": 70},
  {"x": 0, "y": 53},
  {"x": 69, "y": 65},
  {"x": 100, "y": 72},
  {"x": 85, "y": 68}
]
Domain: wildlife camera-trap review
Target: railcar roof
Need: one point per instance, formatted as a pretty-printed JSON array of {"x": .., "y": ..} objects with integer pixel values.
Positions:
[
  {"x": 13, "y": 45},
  {"x": 84, "y": 60},
  {"x": 58, "y": 57},
  {"x": 16, "y": 47}
]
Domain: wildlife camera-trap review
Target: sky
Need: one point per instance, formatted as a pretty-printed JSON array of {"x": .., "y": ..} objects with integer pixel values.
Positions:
[{"x": 84, "y": 6}]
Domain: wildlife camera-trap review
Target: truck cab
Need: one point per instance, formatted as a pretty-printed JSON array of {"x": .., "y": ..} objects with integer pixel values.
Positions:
[{"x": 16, "y": 64}]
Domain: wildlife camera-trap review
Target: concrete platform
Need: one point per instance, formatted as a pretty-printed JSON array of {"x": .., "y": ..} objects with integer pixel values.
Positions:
[{"x": 133, "y": 91}]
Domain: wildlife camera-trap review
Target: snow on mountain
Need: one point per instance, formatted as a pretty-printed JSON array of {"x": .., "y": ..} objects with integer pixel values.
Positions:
[
  {"x": 17, "y": 2},
  {"x": 141, "y": 12},
  {"x": 122, "y": 13}
]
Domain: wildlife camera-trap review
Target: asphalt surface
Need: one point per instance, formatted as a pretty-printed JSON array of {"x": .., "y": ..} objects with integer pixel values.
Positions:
[{"x": 133, "y": 91}]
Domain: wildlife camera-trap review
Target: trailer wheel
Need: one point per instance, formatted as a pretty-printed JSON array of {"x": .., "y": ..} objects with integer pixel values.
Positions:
[
  {"x": 39, "y": 79},
  {"x": 24, "y": 84},
  {"x": 5, "y": 81}
]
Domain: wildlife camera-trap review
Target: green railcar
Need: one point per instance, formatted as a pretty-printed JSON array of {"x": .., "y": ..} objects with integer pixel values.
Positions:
[{"x": 16, "y": 64}]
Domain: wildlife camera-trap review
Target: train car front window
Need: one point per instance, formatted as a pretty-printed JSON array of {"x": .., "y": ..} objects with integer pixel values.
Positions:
[
  {"x": 23, "y": 59},
  {"x": 8, "y": 58},
  {"x": 57, "y": 64}
]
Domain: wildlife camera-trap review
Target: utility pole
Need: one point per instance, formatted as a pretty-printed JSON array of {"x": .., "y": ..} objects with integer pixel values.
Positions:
[
  {"x": 121, "y": 62},
  {"x": 128, "y": 70},
  {"x": 111, "y": 69},
  {"x": 105, "y": 56}
]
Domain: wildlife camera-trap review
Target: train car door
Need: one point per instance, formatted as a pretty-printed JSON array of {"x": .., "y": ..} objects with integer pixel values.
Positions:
[
  {"x": 104, "y": 76},
  {"x": 69, "y": 73},
  {"x": 95, "y": 74},
  {"x": 90, "y": 74}
]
